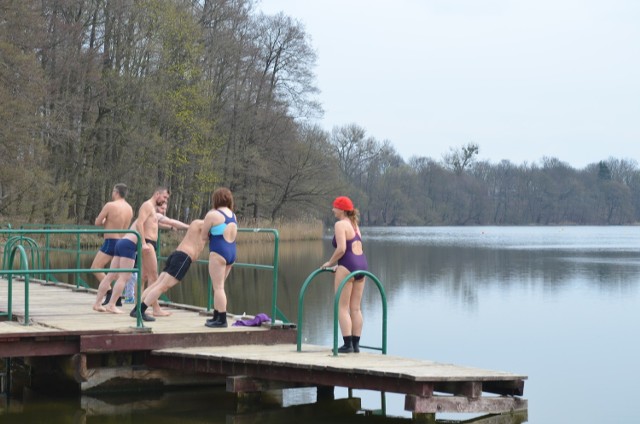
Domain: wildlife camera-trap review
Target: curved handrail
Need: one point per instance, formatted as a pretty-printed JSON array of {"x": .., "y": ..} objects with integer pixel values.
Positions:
[
  {"x": 24, "y": 265},
  {"x": 336, "y": 304},
  {"x": 303, "y": 290},
  {"x": 33, "y": 247},
  {"x": 47, "y": 246}
]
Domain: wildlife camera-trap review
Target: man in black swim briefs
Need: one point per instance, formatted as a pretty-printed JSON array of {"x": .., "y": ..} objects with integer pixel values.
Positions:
[
  {"x": 177, "y": 265},
  {"x": 148, "y": 229}
]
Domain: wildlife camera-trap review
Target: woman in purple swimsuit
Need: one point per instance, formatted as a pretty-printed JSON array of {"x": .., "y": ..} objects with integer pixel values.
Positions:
[{"x": 349, "y": 257}]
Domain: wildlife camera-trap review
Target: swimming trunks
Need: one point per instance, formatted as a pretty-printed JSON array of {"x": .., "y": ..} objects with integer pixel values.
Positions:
[
  {"x": 350, "y": 260},
  {"x": 218, "y": 244},
  {"x": 125, "y": 248},
  {"x": 153, "y": 243},
  {"x": 177, "y": 265},
  {"x": 109, "y": 246}
]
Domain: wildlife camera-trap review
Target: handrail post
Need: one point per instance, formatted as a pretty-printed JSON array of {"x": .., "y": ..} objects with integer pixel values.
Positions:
[
  {"x": 46, "y": 254},
  {"x": 10, "y": 295},
  {"x": 139, "y": 323},
  {"x": 78, "y": 247},
  {"x": 274, "y": 291},
  {"x": 158, "y": 244}
]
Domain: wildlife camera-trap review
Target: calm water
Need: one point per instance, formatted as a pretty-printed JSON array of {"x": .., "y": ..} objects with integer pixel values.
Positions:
[{"x": 559, "y": 304}]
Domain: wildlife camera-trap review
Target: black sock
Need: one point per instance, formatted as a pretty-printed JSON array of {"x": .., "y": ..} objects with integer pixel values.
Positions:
[
  {"x": 143, "y": 308},
  {"x": 107, "y": 297},
  {"x": 347, "y": 340},
  {"x": 356, "y": 343},
  {"x": 216, "y": 314},
  {"x": 222, "y": 317}
]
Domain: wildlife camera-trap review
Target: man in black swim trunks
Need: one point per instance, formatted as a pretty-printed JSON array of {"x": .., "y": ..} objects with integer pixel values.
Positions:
[{"x": 177, "y": 265}]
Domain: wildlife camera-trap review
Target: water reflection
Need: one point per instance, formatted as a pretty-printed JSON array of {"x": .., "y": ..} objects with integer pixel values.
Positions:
[{"x": 212, "y": 406}]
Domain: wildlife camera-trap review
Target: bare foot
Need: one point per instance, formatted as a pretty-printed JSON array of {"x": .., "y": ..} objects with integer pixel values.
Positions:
[
  {"x": 114, "y": 310},
  {"x": 99, "y": 308},
  {"x": 161, "y": 313}
]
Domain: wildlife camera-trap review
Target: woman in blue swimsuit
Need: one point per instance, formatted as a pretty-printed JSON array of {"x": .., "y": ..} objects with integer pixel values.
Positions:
[
  {"x": 349, "y": 257},
  {"x": 220, "y": 228}
]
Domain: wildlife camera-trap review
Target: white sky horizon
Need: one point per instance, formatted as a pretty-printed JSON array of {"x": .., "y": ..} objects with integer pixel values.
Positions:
[{"x": 523, "y": 80}]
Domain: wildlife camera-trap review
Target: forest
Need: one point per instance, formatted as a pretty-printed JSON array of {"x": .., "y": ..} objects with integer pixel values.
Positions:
[{"x": 198, "y": 94}]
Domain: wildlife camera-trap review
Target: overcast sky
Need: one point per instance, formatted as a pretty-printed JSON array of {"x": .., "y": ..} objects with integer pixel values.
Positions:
[{"x": 523, "y": 79}]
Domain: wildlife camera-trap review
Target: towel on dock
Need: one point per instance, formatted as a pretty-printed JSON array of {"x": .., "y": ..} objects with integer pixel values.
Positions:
[{"x": 255, "y": 322}]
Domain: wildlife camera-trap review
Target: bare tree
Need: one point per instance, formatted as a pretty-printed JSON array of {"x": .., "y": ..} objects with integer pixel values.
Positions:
[
  {"x": 306, "y": 174},
  {"x": 460, "y": 159}
]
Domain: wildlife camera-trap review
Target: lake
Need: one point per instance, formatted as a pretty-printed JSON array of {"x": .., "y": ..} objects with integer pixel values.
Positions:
[{"x": 559, "y": 304}]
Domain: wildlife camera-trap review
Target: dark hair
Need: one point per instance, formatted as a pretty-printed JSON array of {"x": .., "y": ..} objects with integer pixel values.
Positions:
[
  {"x": 122, "y": 189},
  {"x": 160, "y": 189},
  {"x": 222, "y": 197}
]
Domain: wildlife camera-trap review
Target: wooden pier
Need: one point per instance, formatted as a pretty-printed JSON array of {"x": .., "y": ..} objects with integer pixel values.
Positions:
[{"x": 247, "y": 359}]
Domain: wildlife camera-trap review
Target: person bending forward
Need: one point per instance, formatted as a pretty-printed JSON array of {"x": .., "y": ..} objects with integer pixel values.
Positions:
[{"x": 177, "y": 265}]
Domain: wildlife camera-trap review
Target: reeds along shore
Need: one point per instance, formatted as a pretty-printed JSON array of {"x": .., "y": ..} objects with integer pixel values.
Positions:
[{"x": 311, "y": 229}]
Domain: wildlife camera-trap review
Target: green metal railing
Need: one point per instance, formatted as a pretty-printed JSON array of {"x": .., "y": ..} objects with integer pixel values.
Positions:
[
  {"x": 26, "y": 272},
  {"x": 275, "y": 311},
  {"x": 336, "y": 303},
  {"x": 78, "y": 250},
  {"x": 20, "y": 240},
  {"x": 49, "y": 274}
]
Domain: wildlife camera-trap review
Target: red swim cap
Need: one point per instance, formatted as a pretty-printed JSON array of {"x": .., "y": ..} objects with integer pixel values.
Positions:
[{"x": 344, "y": 203}]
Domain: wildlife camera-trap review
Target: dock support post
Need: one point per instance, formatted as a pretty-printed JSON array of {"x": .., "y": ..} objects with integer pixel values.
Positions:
[
  {"x": 247, "y": 401},
  {"x": 5, "y": 376},
  {"x": 325, "y": 393}
]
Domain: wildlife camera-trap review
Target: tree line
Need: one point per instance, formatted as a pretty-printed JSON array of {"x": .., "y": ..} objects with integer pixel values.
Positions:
[{"x": 194, "y": 94}]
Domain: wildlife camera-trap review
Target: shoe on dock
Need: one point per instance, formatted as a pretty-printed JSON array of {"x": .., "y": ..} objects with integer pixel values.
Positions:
[
  {"x": 147, "y": 318},
  {"x": 345, "y": 349},
  {"x": 216, "y": 324}
]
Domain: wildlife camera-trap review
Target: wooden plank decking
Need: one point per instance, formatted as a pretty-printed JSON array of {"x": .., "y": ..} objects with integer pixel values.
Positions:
[
  {"x": 60, "y": 307},
  {"x": 316, "y": 365},
  {"x": 63, "y": 323},
  {"x": 61, "y": 314}
]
